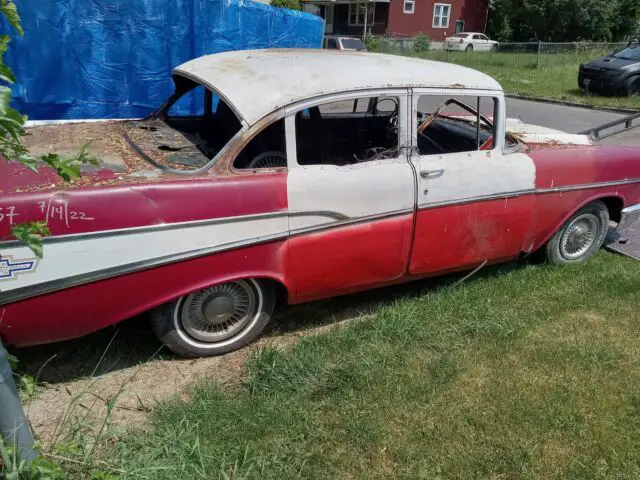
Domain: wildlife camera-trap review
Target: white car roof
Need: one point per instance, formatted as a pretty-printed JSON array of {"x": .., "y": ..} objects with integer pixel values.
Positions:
[{"x": 258, "y": 82}]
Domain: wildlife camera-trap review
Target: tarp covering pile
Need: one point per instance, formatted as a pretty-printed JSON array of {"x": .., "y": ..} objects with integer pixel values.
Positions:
[{"x": 113, "y": 58}]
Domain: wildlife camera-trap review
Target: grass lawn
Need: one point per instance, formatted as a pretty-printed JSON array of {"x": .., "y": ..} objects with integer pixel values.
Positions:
[
  {"x": 556, "y": 77},
  {"x": 521, "y": 372}
]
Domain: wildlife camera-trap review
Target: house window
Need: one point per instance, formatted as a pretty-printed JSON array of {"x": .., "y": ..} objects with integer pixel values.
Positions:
[
  {"x": 357, "y": 12},
  {"x": 409, "y": 6},
  {"x": 441, "y": 13}
]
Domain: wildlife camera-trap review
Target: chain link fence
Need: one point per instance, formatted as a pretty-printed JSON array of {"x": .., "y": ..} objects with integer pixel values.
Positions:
[{"x": 525, "y": 54}]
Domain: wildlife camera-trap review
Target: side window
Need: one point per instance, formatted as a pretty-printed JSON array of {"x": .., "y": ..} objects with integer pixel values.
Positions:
[
  {"x": 332, "y": 43},
  {"x": 347, "y": 132},
  {"x": 266, "y": 150},
  {"x": 477, "y": 37},
  {"x": 455, "y": 124},
  {"x": 191, "y": 104},
  {"x": 482, "y": 37}
]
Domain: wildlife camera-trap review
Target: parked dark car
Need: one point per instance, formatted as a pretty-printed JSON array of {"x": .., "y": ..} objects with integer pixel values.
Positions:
[{"x": 615, "y": 74}]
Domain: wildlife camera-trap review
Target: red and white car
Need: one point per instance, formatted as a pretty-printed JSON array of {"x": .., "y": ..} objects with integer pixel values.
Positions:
[{"x": 288, "y": 182}]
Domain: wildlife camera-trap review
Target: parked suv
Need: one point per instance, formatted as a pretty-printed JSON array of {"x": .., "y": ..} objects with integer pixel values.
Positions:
[
  {"x": 344, "y": 43},
  {"x": 615, "y": 74}
]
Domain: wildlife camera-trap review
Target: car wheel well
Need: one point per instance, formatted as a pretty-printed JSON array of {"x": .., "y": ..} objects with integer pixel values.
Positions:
[{"x": 615, "y": 206}]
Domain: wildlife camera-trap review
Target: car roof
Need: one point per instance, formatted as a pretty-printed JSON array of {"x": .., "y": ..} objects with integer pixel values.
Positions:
[{"x": 258, "y": 82}]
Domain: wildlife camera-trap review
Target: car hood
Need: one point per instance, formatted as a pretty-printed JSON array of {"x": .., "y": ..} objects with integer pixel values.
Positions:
[
  {"x": 537, "y": 135},
  {"x": 610, "y": 63}
]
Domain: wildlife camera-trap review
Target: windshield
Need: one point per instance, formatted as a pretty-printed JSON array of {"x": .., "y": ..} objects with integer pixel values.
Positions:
[
  {"x": 352, "y": 44},
  {"x": 629, "y": 53}
]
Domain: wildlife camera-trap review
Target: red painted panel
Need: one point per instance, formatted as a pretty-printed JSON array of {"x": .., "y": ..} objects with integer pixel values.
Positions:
[
  {"x": 468, "y": 234},
  {"x": 326, "y": 263},
  {"x": 84, "y": 309},
  {"x": 472, "y": 12},
  {"x": 113, "y": 207},
  {"x": 584, "y": 165}
]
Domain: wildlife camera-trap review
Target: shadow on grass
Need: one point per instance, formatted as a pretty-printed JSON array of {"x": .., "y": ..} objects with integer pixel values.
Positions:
[{"x": 131, "y": 342}]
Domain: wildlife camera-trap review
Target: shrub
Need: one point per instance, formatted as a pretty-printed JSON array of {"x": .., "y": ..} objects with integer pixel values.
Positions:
[
  {"x": 372, "y": 43},
  {"x": 290, "y": 4},
  {"x": 421, "y": 43}
]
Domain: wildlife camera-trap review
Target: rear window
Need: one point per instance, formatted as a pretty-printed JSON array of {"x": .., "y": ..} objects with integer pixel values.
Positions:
[
  {"x": 352, "y": 44},
  {"x": 461, "y": 35}
]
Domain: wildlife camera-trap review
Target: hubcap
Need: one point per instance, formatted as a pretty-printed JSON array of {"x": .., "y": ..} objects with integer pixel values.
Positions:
[
  {"x": 579, "y": 236},
  {"x": 219, "y": 312}
]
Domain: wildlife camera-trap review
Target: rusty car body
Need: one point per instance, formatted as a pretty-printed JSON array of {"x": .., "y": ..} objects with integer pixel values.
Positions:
[{"x": 281, "y": 180}]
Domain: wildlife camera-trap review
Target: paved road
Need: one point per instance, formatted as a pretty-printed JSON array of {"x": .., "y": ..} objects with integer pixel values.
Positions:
[{"x": 560, "y": 117}]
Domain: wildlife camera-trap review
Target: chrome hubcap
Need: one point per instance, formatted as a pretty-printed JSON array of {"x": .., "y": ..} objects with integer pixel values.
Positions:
[
  {"x": 219, "y": 312},
  {"x": 579, "y": 236}
]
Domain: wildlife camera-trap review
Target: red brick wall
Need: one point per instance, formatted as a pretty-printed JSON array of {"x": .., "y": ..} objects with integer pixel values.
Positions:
[{"x": 473, "y": 12}]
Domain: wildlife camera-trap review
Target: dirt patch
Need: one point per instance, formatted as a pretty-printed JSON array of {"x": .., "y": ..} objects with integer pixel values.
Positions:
[{"x": 132, "y": 392}]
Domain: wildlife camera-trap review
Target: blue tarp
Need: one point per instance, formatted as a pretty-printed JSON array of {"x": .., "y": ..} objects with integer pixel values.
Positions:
[{"x": 113, "y": 58}]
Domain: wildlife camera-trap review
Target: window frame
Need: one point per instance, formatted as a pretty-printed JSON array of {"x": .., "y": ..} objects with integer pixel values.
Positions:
[
  {"x": 403, "y": 127},
  {"x": 448, "y": 17},
  {"x": 404, "y": 7},
  {"x": 499, "y": 143},
  {"x": 371, "y": 10}
]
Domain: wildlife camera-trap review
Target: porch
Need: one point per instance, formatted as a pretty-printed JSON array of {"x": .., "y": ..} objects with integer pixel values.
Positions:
[{"x": 351, "y": 18}]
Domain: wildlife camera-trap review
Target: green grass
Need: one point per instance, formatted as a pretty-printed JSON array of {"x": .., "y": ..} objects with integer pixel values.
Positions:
[
  {"x": 555, "y": 76},
  {"x": 521, "y": 372}
]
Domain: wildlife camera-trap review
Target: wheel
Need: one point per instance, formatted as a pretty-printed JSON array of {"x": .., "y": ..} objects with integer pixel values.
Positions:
[
  {"x": 469, "y": 48},
  {"x": 269, "y": 160},
  {"x": 580, "y": 237},
  {"x": 633, "y": 86},
  {"x": 215, "y": 320}
]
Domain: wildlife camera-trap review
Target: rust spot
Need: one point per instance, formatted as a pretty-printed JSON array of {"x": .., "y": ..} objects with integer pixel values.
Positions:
[{"x": 457, "y": 85}]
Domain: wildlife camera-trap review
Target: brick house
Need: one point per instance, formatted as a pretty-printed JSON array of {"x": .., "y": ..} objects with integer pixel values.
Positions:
[{"x": 435, "y": 18}]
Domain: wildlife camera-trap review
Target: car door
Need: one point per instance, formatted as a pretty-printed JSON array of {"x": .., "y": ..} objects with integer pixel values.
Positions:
[
  {"x": 477, "y": 43},
  {"x": 473, "y": 200},
  {"x": 350, "y": 221}
]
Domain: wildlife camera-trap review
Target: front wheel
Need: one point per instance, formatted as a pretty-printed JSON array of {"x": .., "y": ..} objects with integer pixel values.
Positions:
[
  {"x": 469, "y": 48},
  {"x": 215, "y": 320},
  {"x": 580, "y": 237}
]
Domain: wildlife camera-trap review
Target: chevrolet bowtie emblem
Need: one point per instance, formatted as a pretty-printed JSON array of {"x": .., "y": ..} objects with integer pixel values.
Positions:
[{"x": 9, "y": 269}]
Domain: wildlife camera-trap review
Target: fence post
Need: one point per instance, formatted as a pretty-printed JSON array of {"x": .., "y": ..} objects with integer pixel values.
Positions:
[{"x": 539, "y": 48}]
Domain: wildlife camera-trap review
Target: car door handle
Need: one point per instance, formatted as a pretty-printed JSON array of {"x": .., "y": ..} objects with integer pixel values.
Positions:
[{"x": 432, "y": 173}]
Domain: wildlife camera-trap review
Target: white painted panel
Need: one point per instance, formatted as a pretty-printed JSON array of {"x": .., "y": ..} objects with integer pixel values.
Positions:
[
  {"x": 86, "y": 255},
  {"x": 370, "y": 188},
  {"x": 461, "y": 176}
]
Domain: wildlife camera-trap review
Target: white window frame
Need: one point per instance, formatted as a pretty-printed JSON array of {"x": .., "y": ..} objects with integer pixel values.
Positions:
[
  {"x": 404, "y": 6},
  {"x": 441, "y": 17},
  {"x": 371, "y": 10}
]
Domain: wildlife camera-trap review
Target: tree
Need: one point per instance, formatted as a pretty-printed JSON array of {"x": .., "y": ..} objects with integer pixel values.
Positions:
[
  {"x": 563, "y": 20},
  {"x": 290, "y": 4}
]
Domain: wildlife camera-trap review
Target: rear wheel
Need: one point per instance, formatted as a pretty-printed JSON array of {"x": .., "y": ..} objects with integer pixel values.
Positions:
[
  {"x": 215, "y": 320},
  {"x": 469, "y": 48},
  {"x": 580, "y": 237}
]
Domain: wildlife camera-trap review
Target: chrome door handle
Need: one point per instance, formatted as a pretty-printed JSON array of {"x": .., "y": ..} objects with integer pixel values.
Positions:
[{"x": 432, "y": 173}]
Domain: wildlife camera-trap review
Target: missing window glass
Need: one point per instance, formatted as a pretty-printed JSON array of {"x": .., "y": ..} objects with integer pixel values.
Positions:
[{"x": 348, "y": 131}]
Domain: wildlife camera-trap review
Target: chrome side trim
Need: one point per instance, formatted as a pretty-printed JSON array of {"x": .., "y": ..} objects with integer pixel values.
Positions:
[
  {"x": 480, "y": 198},
  {"x": 349, "y": 222},
  {"x": 586, "y": 186},
  {"x": 518, "y": 193},
  {"x": 76, "y": 280},
  {"x": 174, "y": 226}
]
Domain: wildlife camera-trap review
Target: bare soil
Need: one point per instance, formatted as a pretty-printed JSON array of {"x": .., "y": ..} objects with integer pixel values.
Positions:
[{"x": 126, "y": 370}]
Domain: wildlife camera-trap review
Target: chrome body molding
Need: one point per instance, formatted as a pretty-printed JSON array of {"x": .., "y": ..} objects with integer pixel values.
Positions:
[
  {"x": 173, "y": 226},
  {"x": 350, "y": 221},
  {"x": 76, "y": 280},
  {"x": 535, "y": 191}
]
